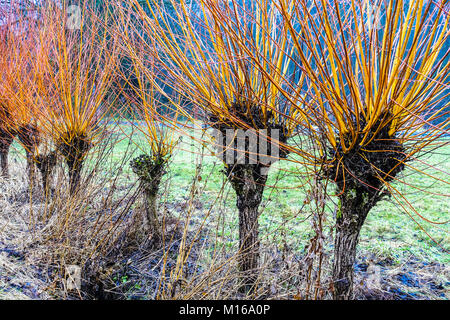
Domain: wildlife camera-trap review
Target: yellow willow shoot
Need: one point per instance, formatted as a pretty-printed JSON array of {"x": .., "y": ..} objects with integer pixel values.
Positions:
[
  {"x": 221, "y": 55},
  {"x": 76, "y": 73},
  {"x": 19, "y": 103},
  {"x": 6, "y": 122},
  {"x": 385, "y": 69},
  {"x": 379, "y": 73},
  {"x": 76, "y": 62},
  {"x": 144, "y": 98},
  {"x": 17, "y": 73},
  {"x": 227, "y": 64}
]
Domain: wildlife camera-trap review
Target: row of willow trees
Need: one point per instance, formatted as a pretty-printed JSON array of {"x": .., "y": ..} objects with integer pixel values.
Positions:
[{"x": 367, "y": 81}]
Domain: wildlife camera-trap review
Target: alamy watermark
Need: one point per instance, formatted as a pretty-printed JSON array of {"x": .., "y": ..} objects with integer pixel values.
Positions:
[
  {"x": 74, "y": 17},
  {"x": 373, "y": 14},
  {"x": 238, "y": 146},
  {"x": 373, "y": 277}
]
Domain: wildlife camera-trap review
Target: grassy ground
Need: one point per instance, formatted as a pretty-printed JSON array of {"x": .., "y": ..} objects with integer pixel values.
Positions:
[{"x": 411, "y": 265}]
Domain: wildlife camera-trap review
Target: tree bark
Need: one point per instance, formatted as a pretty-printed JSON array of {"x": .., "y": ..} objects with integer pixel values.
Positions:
[
  {"x": 5, "y": 143},
  {"x": 344, "y": 259},
  {"x": 249, "y": 183},
  {"x": 152, "y": 224},
  {"x": 354, "y": 207},
  {"x": 4, "y": 163},
  {"x": 75, "y": 166},
  {"x": 249, "y": 246},
  {"x": 45, "y": 164}
]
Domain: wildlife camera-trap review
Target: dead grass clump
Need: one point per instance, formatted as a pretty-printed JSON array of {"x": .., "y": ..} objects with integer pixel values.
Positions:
[{"x": 64, "y": 231}]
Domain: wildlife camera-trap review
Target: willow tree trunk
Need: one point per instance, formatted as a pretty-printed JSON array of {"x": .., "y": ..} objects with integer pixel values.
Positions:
[
  {"x": 249, "y": 183},
  {"x": 74, "y": 151},
  {"x": 4, "y": 163},
  {"x": 29, "y": 138},
  {"x": 358, "y": 173},
  {"x": 75, "y": 167},
  {"x": 150, "y": 172},
  {"x": 249, "y": 245},
  {"x": 354, "y": 207},
  {"x": 45, "y": 164},
  {"x": 4, "y": 150},
  {"x": 248, "y": 154},
  {"x": 152, "y": 224},
  {"x": 30, "y": 167}
]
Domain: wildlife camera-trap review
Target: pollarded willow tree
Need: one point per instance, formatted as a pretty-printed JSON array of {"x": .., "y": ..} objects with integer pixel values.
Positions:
[
  {"x": 379, "y": 83},
  {"x": 222, "y": 58},
  {"x": 156, "y": 128},
  {"x": 77, "y": 70},
  {"x": 18, "y": 103}
]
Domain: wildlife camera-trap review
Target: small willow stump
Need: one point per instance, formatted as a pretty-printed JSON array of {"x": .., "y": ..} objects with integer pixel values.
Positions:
[{"x": 150, "y": 171}]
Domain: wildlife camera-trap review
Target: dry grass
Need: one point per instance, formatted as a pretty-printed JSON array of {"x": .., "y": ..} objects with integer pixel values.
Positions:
[{"x": 19, "y": 276}]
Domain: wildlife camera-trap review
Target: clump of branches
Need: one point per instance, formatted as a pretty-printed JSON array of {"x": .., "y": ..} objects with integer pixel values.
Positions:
[
  {"x": 377, "y": 80},
  {"x": 77, "y": 71},
  {"x": 19, "y": 104},
  {"x": 159, "y": 141},
  {"x": 218, "y": 58},
  {"x": 22, "y": 108}
]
